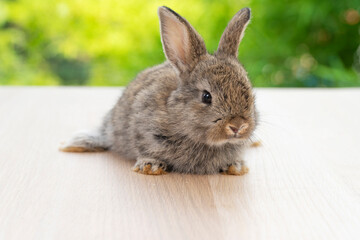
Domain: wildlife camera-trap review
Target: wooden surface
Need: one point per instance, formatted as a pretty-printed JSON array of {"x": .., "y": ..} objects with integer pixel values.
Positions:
[{"x": 304, "y": 182}]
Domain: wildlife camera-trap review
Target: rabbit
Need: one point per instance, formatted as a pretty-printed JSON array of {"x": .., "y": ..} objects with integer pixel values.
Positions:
[{"x": 195, "y": 113}]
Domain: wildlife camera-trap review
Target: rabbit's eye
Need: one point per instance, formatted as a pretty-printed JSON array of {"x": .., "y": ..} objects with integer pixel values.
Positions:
[{"x": 206, "y": 97}]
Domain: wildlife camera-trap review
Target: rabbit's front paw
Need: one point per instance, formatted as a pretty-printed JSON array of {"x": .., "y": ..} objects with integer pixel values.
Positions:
[
  {"x": 149, "y": 166},
  {"x": 238, "y": 169},
  {"x": 256, "y": 144}
]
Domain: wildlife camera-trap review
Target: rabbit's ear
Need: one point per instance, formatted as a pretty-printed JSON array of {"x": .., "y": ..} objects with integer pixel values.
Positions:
[
  {"x": 234, "y": 32},
  {"x": 182, "y": 45}
]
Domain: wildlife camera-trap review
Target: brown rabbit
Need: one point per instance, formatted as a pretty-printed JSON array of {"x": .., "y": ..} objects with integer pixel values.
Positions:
[{"x": 192, "y": 114}]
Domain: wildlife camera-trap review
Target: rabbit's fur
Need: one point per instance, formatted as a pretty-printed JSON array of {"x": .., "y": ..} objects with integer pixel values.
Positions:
[{"x": 161, "y": 119}]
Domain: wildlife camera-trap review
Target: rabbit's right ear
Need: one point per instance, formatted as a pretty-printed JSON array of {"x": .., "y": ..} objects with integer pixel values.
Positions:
[{"x": 182, "y": 45}]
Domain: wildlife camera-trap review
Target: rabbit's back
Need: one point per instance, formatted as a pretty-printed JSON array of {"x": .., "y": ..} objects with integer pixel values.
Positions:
[{"x": 140, "y": 104}]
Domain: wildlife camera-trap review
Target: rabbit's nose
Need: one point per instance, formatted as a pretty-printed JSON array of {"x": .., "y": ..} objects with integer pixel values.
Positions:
[
  {"x": 239, "y": 129},
  {"x": 234, "y": 129}
]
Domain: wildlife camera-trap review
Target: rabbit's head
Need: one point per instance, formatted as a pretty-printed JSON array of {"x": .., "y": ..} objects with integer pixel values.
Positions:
[{"x": 214, "y": 102}]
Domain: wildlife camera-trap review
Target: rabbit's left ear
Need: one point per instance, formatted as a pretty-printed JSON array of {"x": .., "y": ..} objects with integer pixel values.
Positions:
[
  {"x": 234, "y": 32},
  {"x": 182, "y": 45}
]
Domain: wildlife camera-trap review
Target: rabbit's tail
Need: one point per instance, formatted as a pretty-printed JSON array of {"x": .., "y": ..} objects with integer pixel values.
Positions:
[{"x": 86, "y": 141}]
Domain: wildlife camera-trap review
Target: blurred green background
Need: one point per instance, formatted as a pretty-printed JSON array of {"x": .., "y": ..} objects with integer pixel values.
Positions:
[{"x": 303, "y": 43}]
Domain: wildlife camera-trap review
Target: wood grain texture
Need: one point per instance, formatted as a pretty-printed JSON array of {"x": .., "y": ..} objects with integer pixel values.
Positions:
[{"x": 304, "y": 180}]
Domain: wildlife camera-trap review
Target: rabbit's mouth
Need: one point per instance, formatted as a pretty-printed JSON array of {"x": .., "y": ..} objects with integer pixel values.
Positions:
[
  {"x": 236, "y": 137},
  {"x": 237, "y": 140}
]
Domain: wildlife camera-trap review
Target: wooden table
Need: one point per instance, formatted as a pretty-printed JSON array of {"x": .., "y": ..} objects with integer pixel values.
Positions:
[{"x": 304, "y": 182}]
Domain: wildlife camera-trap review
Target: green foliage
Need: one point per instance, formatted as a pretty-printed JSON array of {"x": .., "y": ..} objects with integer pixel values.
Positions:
[{"x": 90, "y": 42}]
